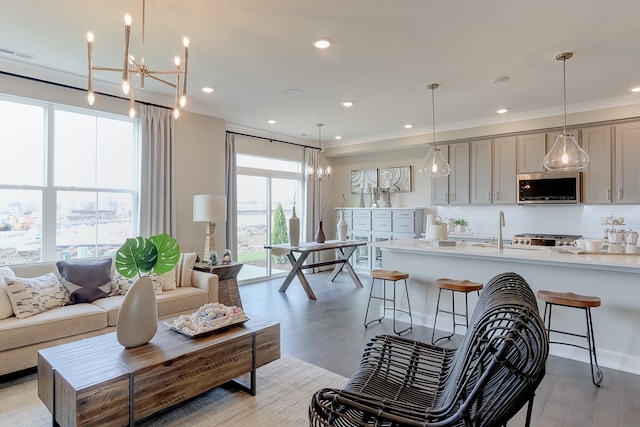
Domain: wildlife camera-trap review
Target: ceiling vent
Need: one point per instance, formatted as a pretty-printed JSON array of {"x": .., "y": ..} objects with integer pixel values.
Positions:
[{"x": 11, "y": 52}]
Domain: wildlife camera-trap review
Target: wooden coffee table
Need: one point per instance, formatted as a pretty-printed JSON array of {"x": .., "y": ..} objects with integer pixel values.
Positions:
[{"x": 96, "y": 380}]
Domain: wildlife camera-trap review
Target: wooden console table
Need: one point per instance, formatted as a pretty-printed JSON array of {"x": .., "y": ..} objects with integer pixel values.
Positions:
[
  {"x": 96, "y": 381},
  {"x": 228, "y": 293},
  {"x": 343, "y": 250}
]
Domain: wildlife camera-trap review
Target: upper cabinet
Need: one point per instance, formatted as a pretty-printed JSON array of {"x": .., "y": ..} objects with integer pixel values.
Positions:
[
  {"x": 454, "y": 189},
  {"x": 531, "y": 151},
  {"x": 597, "y": 178},
  {"x": 493, "y": 171},
  {"x": 627, "y": 170}
]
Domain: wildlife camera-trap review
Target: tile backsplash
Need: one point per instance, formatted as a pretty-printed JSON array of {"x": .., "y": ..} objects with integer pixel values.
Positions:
[{"x": 549, "y": 219}]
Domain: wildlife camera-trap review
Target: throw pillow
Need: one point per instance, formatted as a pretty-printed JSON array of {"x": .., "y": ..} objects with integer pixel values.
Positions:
[
  {"x": 86, "y": 281},
  {"x": 169, "y": 282},
  {"x": 6, "y": 310},
  {"x": 184, "y": 268},
  {"x": 120, "y": 284},
  {"x": 31, "y": 296}
]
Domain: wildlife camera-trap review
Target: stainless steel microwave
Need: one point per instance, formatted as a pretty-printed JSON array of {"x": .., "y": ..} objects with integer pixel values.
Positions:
[{"x": 550, "y": 187}]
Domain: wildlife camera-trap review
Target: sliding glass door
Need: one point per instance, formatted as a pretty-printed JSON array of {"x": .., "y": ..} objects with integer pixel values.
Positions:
[{"x": 265, "y": 204}]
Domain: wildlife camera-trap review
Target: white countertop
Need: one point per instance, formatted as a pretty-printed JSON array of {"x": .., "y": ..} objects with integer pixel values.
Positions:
[{"x": 515, "y": 253}]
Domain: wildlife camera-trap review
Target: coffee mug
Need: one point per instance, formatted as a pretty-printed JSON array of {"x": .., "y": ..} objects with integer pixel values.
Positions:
[
  {"x": 579, "y": 243},
  {"x": 593, "y": 245}
]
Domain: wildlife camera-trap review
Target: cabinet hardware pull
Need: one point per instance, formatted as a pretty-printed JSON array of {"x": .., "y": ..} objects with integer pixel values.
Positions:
[
  {"x": 620, "y": 194},
  {"x": 489, "y": 196},
  {"x": 608, "y": 194}
]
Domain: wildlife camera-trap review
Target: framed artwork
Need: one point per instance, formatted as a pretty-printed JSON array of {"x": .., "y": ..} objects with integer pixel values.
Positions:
[
  {"x": 363, "y": 180},
  {"x": 397, "y": 180}
]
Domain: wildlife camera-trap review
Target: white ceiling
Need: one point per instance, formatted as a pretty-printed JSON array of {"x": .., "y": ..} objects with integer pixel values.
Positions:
[{"x": 258, "y": 55}]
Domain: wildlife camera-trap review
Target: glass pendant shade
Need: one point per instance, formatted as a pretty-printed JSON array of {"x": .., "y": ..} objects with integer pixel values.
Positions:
[
  {"x": 566, "y": 154},
  {"x": 435, "y": 165}
]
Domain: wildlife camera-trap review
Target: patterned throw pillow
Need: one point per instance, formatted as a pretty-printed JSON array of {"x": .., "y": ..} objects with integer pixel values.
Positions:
[
  {"x": 31, "y": 296},
  {"x": 184, "y": 268},
  {"x": 86, "y": 281},
  {"x": 6, "y": 310},
  {"x": 120, "y": 284}
]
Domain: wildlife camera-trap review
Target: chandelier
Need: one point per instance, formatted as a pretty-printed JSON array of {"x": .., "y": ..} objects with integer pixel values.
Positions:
[
  {"x": 134, "y": 72},
  {"x": 434, "y": 165},
  {"x": 316, "y": 171},
  {"x": 566, "y": 154}
]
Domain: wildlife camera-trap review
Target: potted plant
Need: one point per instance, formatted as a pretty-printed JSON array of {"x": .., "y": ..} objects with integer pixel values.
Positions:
[
  {"x": 461, "y": 225},
  {"x": 138, "y": 316}
]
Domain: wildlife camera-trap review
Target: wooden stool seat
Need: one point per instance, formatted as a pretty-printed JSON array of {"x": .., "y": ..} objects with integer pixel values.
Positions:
[
  {"x": 582, "y": 302},
  {"x": 389, "y": 275},
  {"x": 459, "y": 285},
  {"x": 453, "y": 285},
  {"x": 392, "y": 276},
  {"x": 569, "y": 299}
]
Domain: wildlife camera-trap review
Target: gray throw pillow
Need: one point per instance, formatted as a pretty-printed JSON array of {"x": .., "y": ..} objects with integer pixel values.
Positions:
[{"x": 86, "y": 281}]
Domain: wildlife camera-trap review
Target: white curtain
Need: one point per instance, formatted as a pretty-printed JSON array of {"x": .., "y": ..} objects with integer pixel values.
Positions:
[
  {"x": 313, "y": 194},
  {"x": 157, "y": 182},
  {"x": 231, "y": 189}
]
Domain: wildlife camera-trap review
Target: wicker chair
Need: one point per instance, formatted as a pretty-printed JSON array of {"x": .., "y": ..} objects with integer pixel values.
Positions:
[{"x": 485, "y": 382}]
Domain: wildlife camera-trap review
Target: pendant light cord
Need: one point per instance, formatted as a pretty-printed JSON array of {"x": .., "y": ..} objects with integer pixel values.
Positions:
[
  {"x": 564, "y": 85},
  {"x": 433, "y": 114}
]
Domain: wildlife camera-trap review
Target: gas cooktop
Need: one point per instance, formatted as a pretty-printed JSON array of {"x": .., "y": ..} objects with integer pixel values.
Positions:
[{"x": 544, "y": 239}]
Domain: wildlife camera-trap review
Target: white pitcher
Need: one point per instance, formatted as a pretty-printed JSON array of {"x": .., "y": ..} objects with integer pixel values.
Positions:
[{"x": 438, "y": 231}]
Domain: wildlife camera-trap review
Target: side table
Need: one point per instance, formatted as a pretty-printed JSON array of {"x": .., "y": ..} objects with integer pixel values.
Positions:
[{"x": 228, "y": 292}]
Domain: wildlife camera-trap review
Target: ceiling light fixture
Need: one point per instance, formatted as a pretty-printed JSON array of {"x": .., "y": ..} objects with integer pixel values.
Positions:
[
  {"x": 207, "y": 89},
  {"x": 635, "y": 89},
  {"x": 502, "y": 111},
  {"x": 434, "y": 165},
  {"x": 566, "y": 154},
  {"x": 317, "y": 171},
  {"x": 347, "y": 104},
  {"x": 135, "y": 72},
  {"x": 338, "y": 137},
  {"x": 272, "y": 121},
  {"x": 408, "y": 126},
  {"x": 323, "y": 43}
]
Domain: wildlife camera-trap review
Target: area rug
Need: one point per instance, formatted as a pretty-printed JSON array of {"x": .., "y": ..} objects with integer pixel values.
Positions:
[{"x": 284, "y": 390}]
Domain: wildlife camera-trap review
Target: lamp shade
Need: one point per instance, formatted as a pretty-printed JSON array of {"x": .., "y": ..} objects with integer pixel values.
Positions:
[{"x": 209, "y": 208}]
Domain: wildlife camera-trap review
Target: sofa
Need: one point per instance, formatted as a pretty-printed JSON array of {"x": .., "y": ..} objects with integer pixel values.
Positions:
[{"x": 21, "y": 337}]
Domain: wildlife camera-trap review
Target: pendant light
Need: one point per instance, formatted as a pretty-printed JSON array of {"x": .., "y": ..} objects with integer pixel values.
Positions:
[
  {"x": 317, "y": 171},
  {"x": 434, "y": 165},
  {"x": 566, "y": 154}
]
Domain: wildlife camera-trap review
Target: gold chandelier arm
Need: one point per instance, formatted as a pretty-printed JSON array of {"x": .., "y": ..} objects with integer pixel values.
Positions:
[
  {"x": 151, "y": 75},
  {"x": 96, "y": 68}
]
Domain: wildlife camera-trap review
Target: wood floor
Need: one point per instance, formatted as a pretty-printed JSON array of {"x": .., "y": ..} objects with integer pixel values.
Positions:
[{"x": 329, "y": 333}]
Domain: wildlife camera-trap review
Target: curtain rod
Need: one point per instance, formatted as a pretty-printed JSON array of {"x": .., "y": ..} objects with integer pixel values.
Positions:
[
  {"x": 273, "y": 140},
  {"x": 33, "y": 79}
]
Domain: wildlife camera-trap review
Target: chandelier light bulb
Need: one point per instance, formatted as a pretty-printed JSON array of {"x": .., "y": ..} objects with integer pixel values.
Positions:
[
  {"x": 91, "y": 98},
  {"x": 185, "y": 41},
  {"x": 176, "y": 113},
  {"x": 183, "y": 101},
  {"x": 127, "y": 19},
  {"x": 90, "y": 37},
  {"x": 176, "y": 60},
  {"x": 132, "y": 113}
]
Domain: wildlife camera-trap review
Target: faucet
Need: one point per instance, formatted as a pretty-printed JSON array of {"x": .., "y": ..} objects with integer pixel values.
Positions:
[{"x": 501, "y": 224}]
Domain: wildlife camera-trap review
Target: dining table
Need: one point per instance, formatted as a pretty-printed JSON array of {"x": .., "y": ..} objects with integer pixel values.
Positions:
[{"x": 342, "y": 249}]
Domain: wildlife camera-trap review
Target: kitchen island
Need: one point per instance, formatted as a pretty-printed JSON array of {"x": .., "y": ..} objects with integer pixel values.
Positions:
[{"x": 614, "y": 278}]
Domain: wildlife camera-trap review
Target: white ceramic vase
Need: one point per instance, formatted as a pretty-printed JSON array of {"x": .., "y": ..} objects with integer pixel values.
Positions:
[
  {"x": 138, "y": 316},
  {"x": 342, "y": 227},
  {"x": 294, "y": 229}
]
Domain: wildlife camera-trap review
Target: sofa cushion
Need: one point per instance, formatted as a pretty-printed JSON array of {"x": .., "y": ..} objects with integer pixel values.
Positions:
[
  {"x": 31, "y": 296},
  {"x": 181, "y": 299},
  {"x": 51, "y": 325},
  {"x": 111, "y": 306},
  {"x": 86, "y": 281},
  {"x": 6, "y": 309},
  {"x": 120, "y": 284}
]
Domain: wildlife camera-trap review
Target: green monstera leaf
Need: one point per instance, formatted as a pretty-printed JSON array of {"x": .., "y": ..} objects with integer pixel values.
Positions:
[
  {"x": 168, "y": 253},
  {"x": 158, "y": 254},
  {"x": 136, "y": 256}
]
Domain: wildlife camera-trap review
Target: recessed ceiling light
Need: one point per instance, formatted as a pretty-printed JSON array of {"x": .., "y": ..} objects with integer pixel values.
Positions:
[
  {"x": 408, "y": 126},
  {"x": 347, "y": 104},
  {"x": 272, "y": 121},
  {"x": 337, "y": 137},
  {"x": 207, "y": 89},
  {"x": 635, "y": 89},
  {"x": 323, "y": 43},
  {"x": 502, "y": 111},
  {"x": 499, "y": 79}
]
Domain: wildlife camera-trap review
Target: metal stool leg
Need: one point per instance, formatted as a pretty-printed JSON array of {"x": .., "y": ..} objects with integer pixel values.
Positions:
[
  {"x": 366, "y": 314},
  {"x": 593, "y": 358},
  {"x": 395, "y": 283},
  {"x": 435, "y": 319}
]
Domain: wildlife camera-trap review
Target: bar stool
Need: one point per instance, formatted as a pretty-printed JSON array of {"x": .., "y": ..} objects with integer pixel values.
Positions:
[
  {"x": 392, "y": 276},
  {"x": 464, "y": 286},
  {"x": 569, "y": 299}
]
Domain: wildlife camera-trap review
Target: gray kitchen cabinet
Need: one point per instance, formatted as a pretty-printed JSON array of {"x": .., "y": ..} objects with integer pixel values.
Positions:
[
  {"x": 597, "y": 179},
  {"x": 531, "y": 150},
  {"x": 454, "y": 189},
  {"x": 493, "y": 171},
  {"x": 627, "y": 159}
]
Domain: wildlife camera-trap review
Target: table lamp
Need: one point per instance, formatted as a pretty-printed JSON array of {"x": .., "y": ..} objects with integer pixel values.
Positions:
[{"x": 211, "y": 209}]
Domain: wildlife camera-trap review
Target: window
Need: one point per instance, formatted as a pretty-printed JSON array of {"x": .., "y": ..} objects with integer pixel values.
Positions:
[{"x": 68, "y": 182}]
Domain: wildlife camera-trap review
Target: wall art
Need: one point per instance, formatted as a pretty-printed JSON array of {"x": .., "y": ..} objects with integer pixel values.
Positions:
[
  {"x": 397, "y": 180},
  {"x": 363, "y": 180}
]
